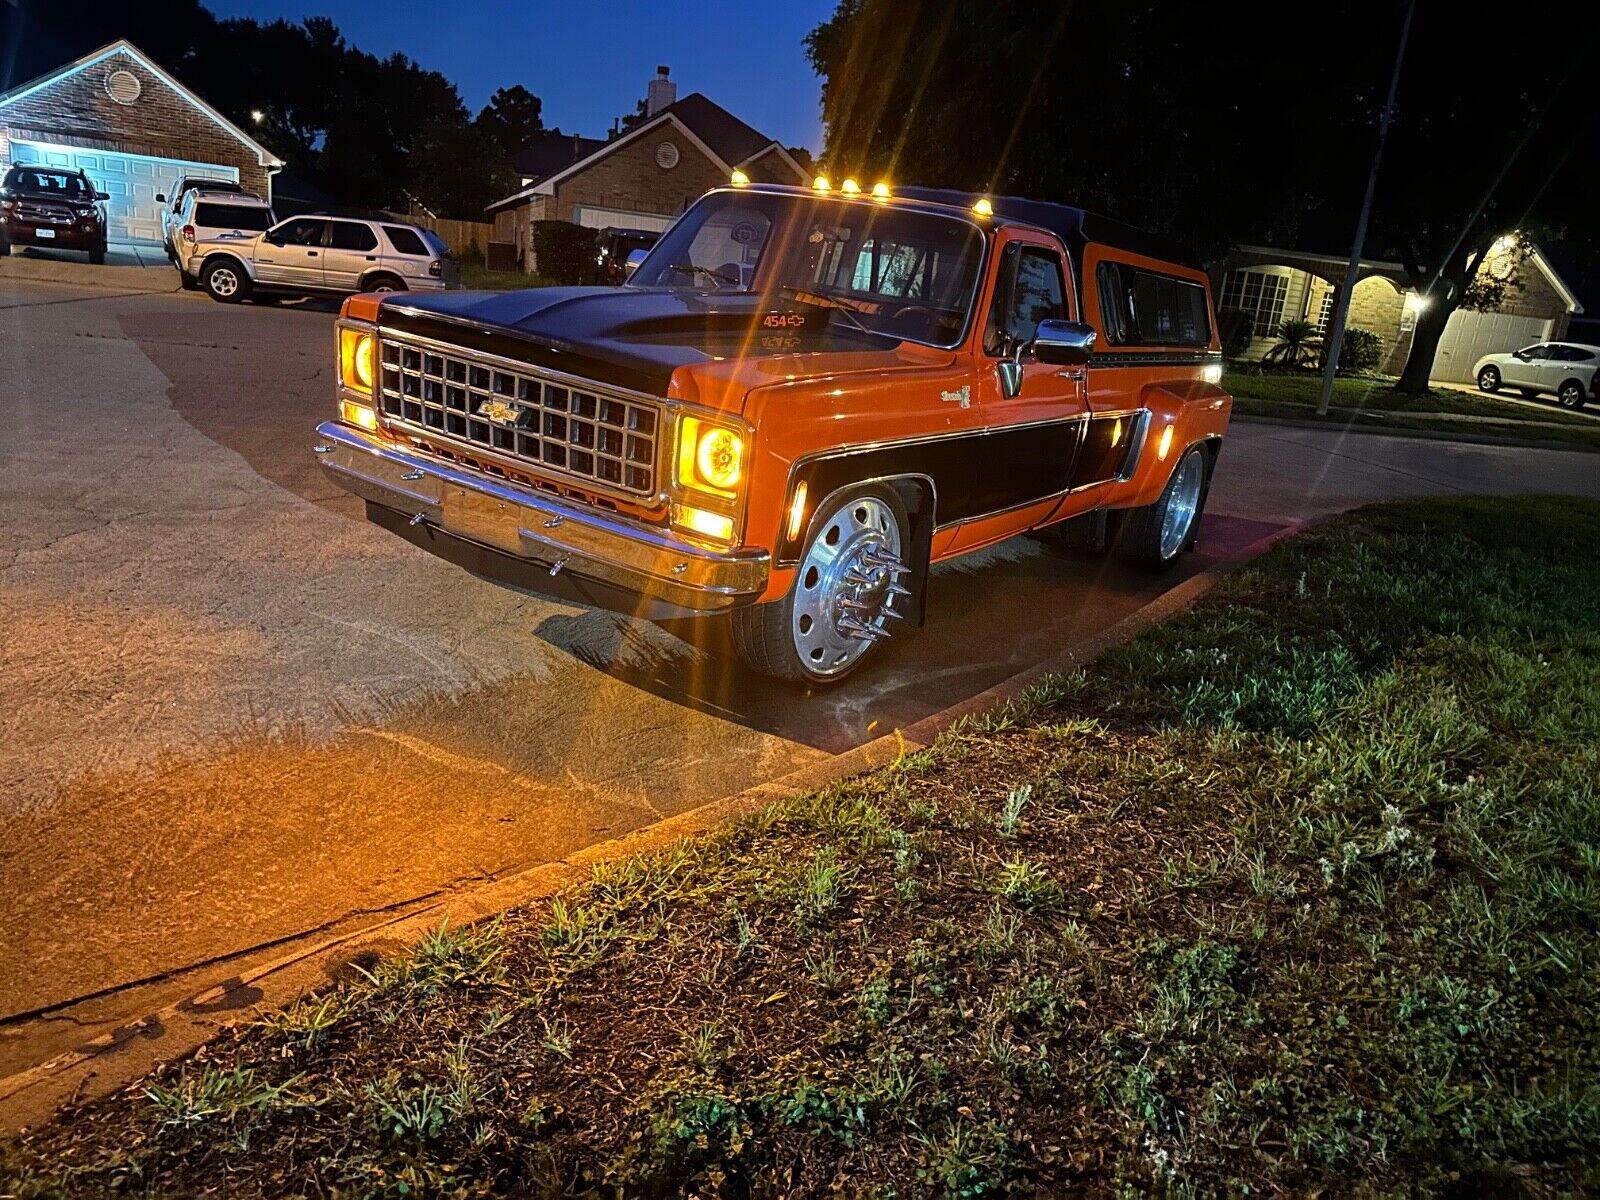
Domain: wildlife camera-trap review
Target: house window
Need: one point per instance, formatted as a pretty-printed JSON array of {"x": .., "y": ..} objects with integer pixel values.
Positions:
[
  {"x": 1259, "y": 294},
  {"x": 1325, "y": 310}
]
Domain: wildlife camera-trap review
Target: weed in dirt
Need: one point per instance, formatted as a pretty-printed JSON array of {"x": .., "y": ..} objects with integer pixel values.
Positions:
[{"x": 1027, "y": 885}]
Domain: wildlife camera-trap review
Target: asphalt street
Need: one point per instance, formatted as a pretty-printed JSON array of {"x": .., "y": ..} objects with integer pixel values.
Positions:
[{"x": 232, "y": 711}]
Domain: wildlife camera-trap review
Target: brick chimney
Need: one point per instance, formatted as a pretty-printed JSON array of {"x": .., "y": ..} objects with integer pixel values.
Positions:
[{"x": 661, "y": 92}]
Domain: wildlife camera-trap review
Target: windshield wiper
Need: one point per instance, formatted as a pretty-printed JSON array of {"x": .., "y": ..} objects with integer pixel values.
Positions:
[
  {"x": 692, "y": 269},
  {"x": 807, "y": 296}
]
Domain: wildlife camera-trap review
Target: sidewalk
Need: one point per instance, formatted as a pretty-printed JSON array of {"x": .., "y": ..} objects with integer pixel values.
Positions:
[{"x": 127, "y": 268}]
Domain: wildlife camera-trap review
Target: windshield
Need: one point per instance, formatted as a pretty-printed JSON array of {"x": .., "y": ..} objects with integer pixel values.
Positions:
[
  {"x": 58, "y": 182},
  {"x": 890, "y": 270}
]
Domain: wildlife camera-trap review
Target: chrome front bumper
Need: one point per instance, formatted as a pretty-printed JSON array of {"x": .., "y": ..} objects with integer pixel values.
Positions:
[{"x": 542, "y": 530}]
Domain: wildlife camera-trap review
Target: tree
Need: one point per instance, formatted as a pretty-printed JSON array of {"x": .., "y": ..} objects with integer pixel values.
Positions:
[
  {"x": 513, "y": 118},
  {"x": 1475, "y": 159},
  {"x": 457, "y": 170},
  {"x": 1163, "y": 113}
]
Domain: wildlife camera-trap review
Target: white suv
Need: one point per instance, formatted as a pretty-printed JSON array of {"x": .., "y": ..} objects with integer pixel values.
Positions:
[
  {"x": 206, "y": 217},
  {"x": 172, "y": 201},
  {"x": 1565, "y": 370},
  {"x": 324, "y": 254}
]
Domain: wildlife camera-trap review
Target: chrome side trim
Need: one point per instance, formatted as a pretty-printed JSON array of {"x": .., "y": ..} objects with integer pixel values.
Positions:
[
  {"x": 1199, "y": 358},
  {"x": 1136, "y": 442}
]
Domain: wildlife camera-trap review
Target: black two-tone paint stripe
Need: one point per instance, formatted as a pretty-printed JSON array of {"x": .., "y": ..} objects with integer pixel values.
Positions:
[{"x": 985, "y": 471}]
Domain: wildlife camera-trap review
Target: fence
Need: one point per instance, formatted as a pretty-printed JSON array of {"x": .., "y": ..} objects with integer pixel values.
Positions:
[{"x": 464, "y": 237}]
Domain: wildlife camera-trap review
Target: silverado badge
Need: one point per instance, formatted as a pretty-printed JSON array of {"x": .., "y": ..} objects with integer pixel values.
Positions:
[
  {"x": 499, "y": 412},
  {"x": 961, "y": 396}
]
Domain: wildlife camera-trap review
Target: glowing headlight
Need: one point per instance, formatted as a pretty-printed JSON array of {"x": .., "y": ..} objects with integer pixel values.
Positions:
[
  {"x": 355, "y": 359},
  {"x": 710, "y": 457}
]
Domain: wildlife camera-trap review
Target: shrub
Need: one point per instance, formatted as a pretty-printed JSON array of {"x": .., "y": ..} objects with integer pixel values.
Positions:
[
  {"x": 564, "y": 252},
  {"x": 1235, "y": 329},
  {"x": 1362, "y": 351}
]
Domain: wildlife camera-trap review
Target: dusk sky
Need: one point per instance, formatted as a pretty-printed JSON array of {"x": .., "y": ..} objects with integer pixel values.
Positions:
[{"x": 590, "y": 62}]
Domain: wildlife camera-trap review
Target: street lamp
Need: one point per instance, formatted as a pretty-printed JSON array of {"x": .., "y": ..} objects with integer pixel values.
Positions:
[{"x": 257, "y": 115}]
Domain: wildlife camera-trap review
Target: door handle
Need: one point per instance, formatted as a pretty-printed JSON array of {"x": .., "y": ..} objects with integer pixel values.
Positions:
[
  {"x": 311, "y": 253},
  {"x": 372, "y": 258}
]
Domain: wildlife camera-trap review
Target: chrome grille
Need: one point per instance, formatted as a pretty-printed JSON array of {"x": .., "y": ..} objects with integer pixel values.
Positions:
[
  {"x": 557, "y": 425},
  {"x": 43, "y": 216}
]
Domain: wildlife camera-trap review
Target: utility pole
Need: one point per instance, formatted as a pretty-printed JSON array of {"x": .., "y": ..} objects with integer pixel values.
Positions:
[{"x": 1341, "y": 304}]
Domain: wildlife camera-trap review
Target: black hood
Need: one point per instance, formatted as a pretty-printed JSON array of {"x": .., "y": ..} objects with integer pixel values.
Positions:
[{"x": 625, "y": 336}]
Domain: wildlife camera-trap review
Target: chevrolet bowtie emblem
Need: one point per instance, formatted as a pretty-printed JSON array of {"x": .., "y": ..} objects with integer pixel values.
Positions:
[
  {"x": 499, "y": 412},
  {"x": 961, "y": 396}
]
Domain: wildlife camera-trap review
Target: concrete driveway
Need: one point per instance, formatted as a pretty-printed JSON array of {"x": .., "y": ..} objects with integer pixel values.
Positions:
[{"x": 233, "y": 712}]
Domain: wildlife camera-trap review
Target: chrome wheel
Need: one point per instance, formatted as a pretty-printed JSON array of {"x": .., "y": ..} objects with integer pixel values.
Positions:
[
  {"x": 847, "y": 586},
  {"x": 1183, "y": 501},
  {"x": 1488, "y": 380}
]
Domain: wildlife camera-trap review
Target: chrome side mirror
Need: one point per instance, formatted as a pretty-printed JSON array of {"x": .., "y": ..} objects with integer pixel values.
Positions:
[
  {"x": 1064, "y": 343},
  {"x": 631, "y": 263}
]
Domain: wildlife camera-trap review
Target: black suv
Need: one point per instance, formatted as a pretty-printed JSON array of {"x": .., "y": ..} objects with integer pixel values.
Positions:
[{"x": 49, "y": 206}]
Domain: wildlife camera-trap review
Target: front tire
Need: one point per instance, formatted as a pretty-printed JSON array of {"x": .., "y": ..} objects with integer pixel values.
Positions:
[
  {"x": 97, "y": 256},
  {"x": 848, "y": 592},
  {"x": 225, "y": 281},
  {"x": 1489, "y": 379},
  {"x": 1571, "y": 395},
  {"x": 384, "y": 283},
  {"x": 1156, "y": 534}
]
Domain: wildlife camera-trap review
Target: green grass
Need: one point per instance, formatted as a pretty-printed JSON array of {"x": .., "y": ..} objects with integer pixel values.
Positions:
[
  {"x": 1294, "y": 894},
  {"x": 475, "y": 277},
  {"x": 1373, "y": 403}
]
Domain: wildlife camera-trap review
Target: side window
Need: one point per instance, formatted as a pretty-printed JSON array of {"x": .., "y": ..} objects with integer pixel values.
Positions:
[
  {"x": 1031, "y": 290},
  {"x": 1147, "y": 308},
  {"x": 1536, "y": 353},
  {"x": 351, "y": 235},
  {"x": 1571, "y": 354},
  {"x": 302, "y": 231},
  {"x": 404, "y": 241}
]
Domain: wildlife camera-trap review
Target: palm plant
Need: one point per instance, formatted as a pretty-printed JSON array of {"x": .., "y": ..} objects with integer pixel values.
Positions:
[{"x": 1299, "y": 345}]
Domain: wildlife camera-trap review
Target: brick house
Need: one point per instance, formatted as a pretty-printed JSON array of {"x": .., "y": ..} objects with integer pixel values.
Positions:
[
  {"x": 133, "y": 129},
  {"x": 1273, "y": 286},
  {"x": 640, "y": 179}
]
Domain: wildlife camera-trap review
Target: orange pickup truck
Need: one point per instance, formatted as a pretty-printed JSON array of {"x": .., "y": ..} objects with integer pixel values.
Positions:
[{"x": 800, "y": 401}]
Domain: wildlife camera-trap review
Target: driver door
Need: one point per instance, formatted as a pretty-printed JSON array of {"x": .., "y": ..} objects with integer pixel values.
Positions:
[
  {"x": 290, "y": 253},
  {"x": 1034, "y": 430},
  {"x": 1522, "y": 368}
]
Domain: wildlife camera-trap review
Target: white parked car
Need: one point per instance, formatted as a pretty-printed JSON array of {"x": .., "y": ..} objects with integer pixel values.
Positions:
[
  {"x": 206, "y": 217},
  {"x": 171, "y": 202},
  {"x": 1565, "y": 370},
  {"x": 323, "y": 254}
]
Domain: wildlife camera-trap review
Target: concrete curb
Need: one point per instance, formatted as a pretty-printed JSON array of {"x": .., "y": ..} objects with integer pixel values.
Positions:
[
  {"x": 129, "y": 1052},
  {"x": 72, "y": 274},
  {"x": 1426, "y": 435}
]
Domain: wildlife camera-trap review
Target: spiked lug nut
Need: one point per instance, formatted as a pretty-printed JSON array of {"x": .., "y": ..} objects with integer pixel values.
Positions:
[
  {"x": 884, "y": 562},
  {"x": 896, "y": 589},
  {"x": 852, "y": 605},
  {"x": 855, "y": 578},
  {"x": 860, "y": 629}
]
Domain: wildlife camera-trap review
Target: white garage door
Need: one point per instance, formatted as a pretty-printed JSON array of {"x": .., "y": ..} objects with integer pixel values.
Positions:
[
  {"x": 1468, "y": 336},
  {"x": 131, "y": 180}
]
